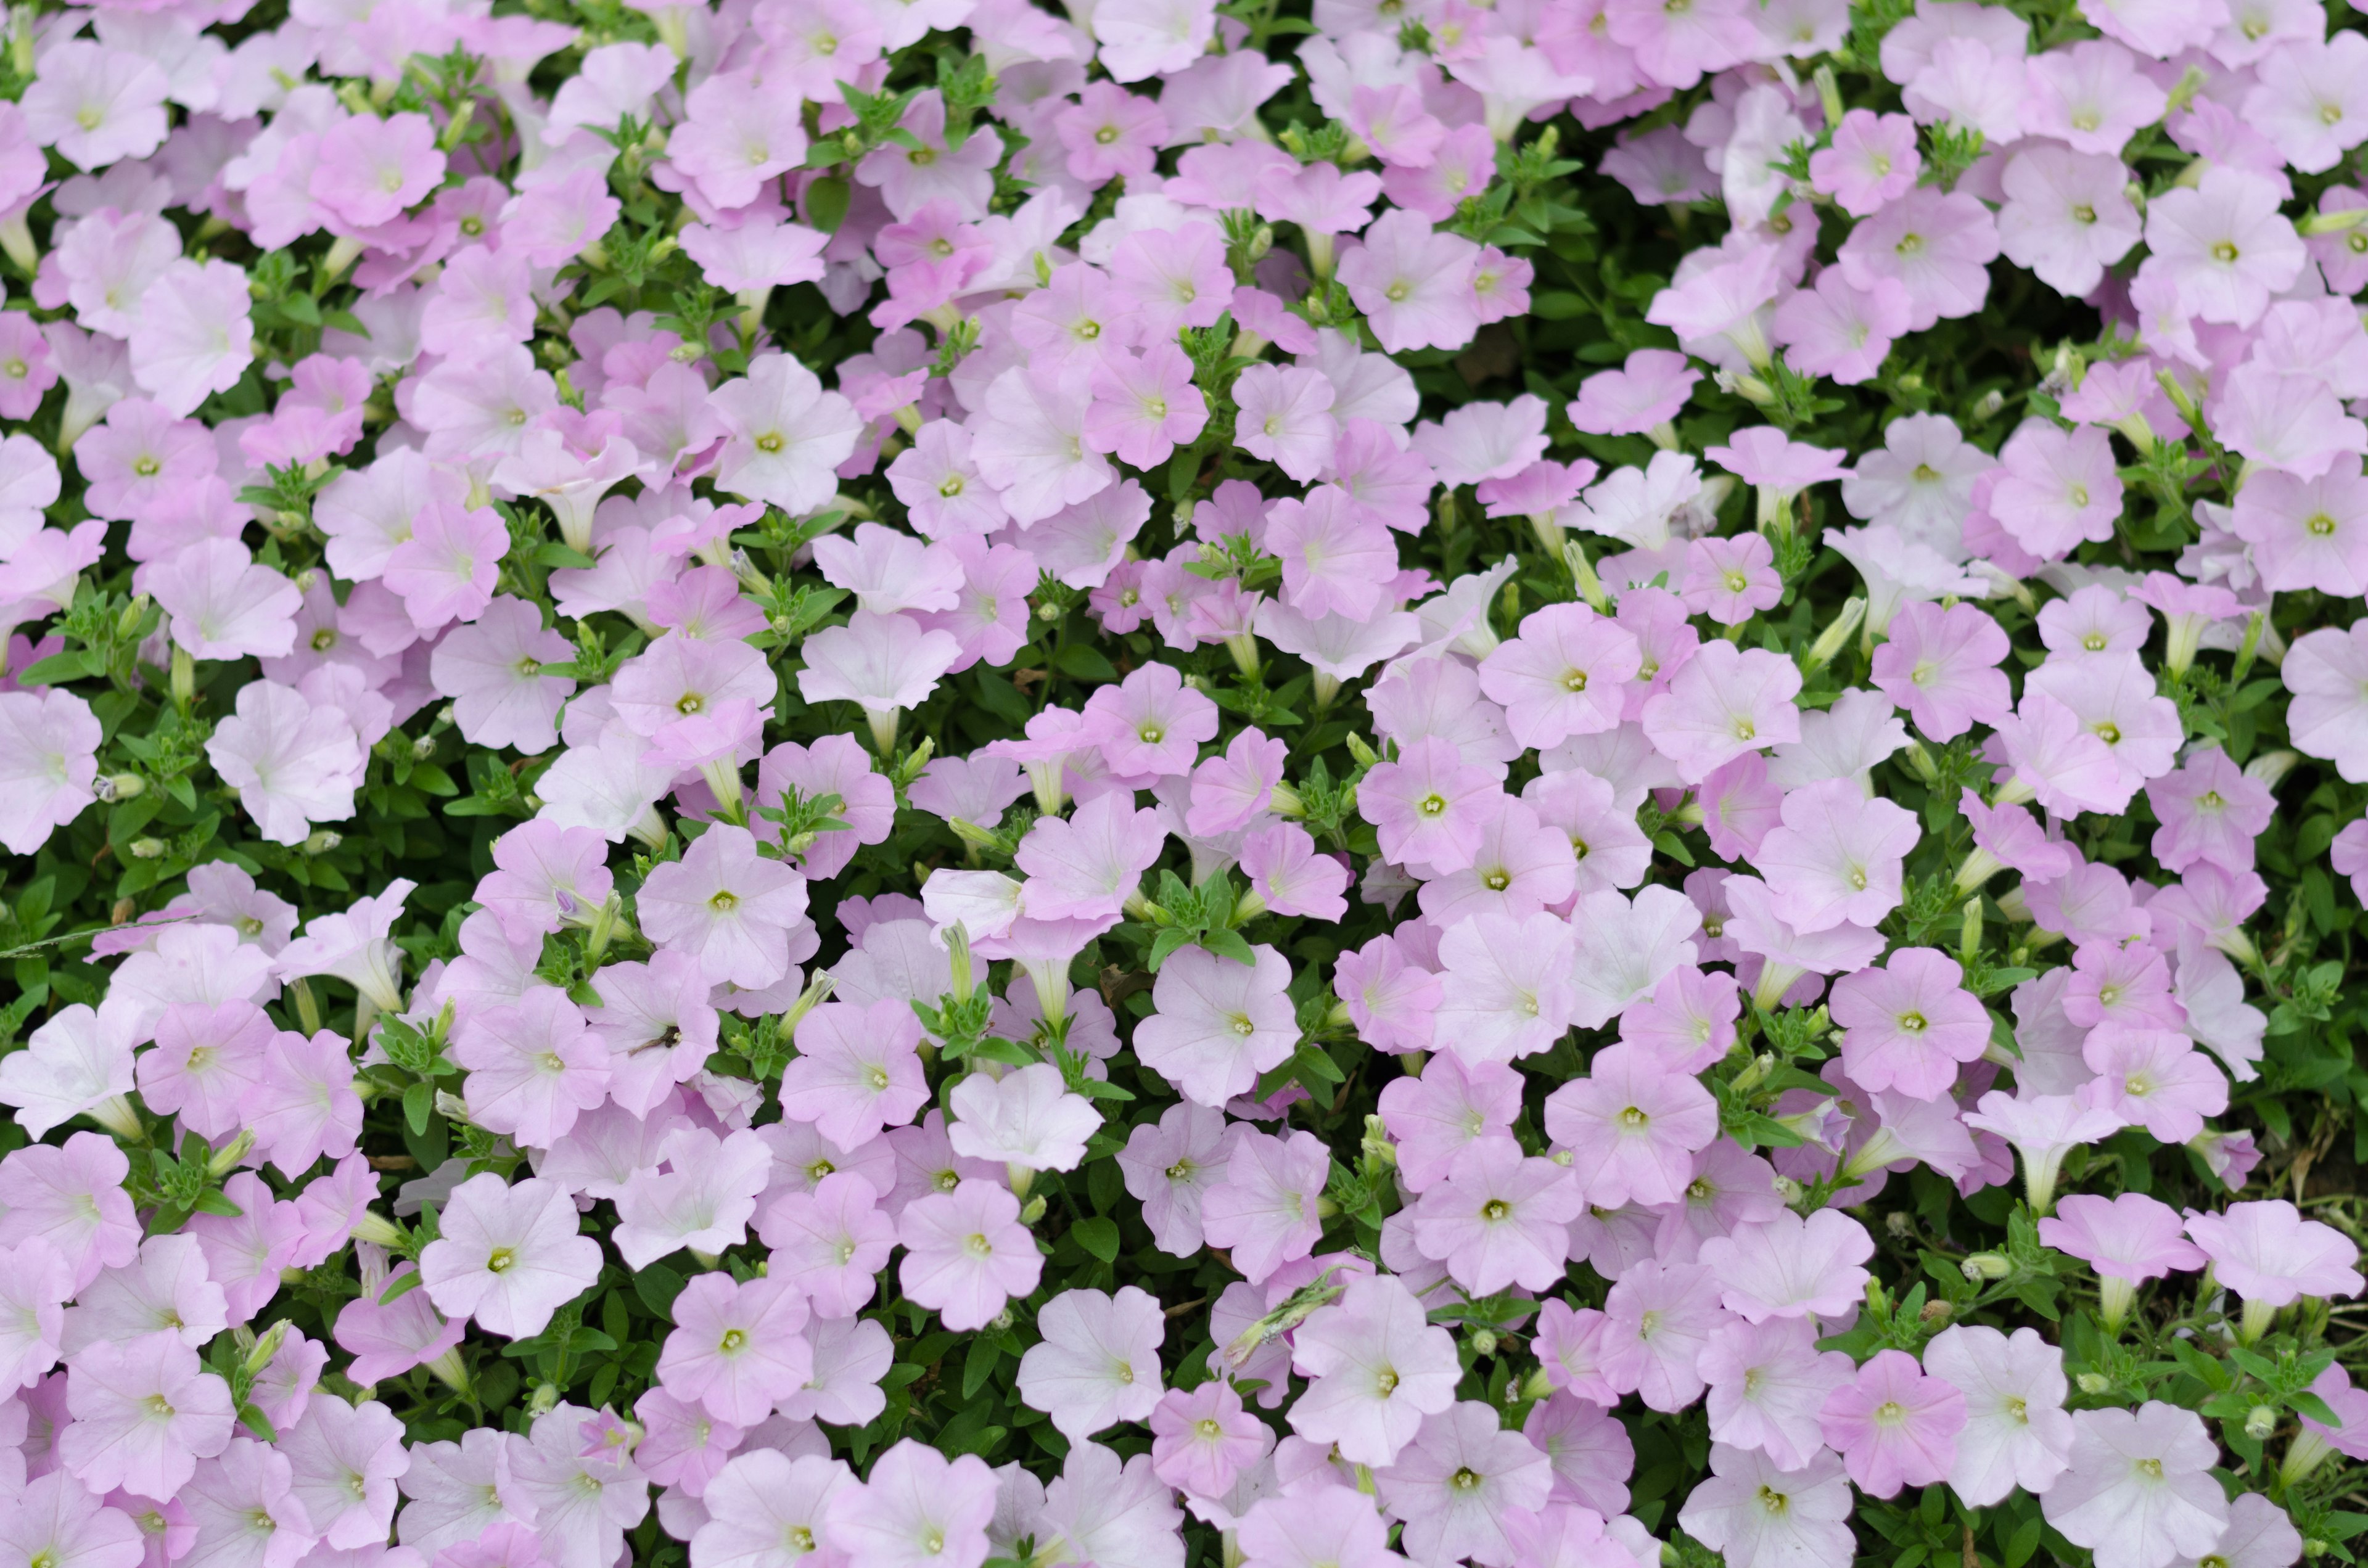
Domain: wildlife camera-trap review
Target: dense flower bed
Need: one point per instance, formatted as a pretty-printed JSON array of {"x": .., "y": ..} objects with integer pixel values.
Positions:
[{"x": 1573, "y": 784}]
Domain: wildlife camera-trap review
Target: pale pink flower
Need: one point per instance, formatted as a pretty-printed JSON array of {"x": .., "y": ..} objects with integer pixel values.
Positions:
[
  {"x": 1633, "y": 1126},
  {"x": 1412, "y": 283},
  {"x": 1025, "y": 1120},
  {"x": 1760, "y": 1515},
  {"x": 49, "y": 761},
  {"x": 508, "y": 1256},
  {"x": 918, "y": 1509},
  {"x": 2138, "y": 1493},
  {"x": 1564, "y": 675},
  {"x": 1264, "y": 1210},
  {"x": 144, "y": 1414},
  {"x": 1724, "y": 702},
  {"x": 1378, "y": 1368},
  {"x": 1838, "y": 855},
  {"x": 1097, "y": 1364},
  {"x": 493, "y": 669},
  {"x": 966, "y": 1253},
  {"x": 1785, "y": 1266},
  {"x": 533, "y": 1067},
  {"x": 736, "y": 1348},
  {"x": 97, "y": 105},
  {"x": 193, "y": 337},
  {"x": 728, "y": 906},
  {"x": 858, "y": 1070},
  {"x": 831, "y": 1241},
  {"x": 1893, "y": 1426},
  {"x": 1500, "y": 1219},
  {"x": 1910, "y": 1024},
  {"x": 293, "y": 762},
  {"x": 1454, "y": 1482},
  {"x": 1202, "y": 1441},
  {"x": 2016, "y": 1431},
  {"x": 1872, "y": 160},
  {"x": 2224, "y": 244},
  {"x": 1506, "y": 989},
  {"x": 2270, "y": 1254},
  {"x": 1768, "y": 1383}
]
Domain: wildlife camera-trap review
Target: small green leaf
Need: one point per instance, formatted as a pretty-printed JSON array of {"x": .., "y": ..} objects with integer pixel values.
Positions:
[
  {"x": 827, "y": 201},
  {"x": 979, "y": 1366},
  {"x": 658, "y": 1286},
  {"x": 552, "y": 553},
  {"x": 1098, "y": 1236}
]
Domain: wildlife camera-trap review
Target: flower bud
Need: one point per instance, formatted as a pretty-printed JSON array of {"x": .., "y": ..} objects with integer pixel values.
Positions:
[
  {"x": 1483, "y": 1343},
  {"x": 145, "y": 848},
  {"x": 118, "y": 786},
  {"x": 2259, "y": 1422},
  {"x": 225, "y": 1159},
  {"x": 1988, "y": 1266},
  {"x": 2093, "y": 1383}
]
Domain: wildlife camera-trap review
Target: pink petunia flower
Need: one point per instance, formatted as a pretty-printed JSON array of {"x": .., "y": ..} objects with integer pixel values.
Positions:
[{"x": 1893, "y": 1426}]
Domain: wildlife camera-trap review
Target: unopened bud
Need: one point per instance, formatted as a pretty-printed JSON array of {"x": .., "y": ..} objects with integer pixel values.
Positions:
[
  {"x": 377, "y": 1229},
  {"x": 225, "y": 1159},
  {"x": 1936, "y": 1311},
  {"x": 452, "y": 1106},
  {"x": 2093, "y": 1383},
  {"x": 118, "y": 786},
  {"x": 2314, "y": 1548},
  {"x": 265, "y": 1348},
  {"x": 1483, "y": 1343},
  {"x": 2334, "y": 223},
  {"x": 1988, "y": 1266},
  {"x": 1364, "y": 755},
  {"x": 1830, "y": 640},
  {"x": 816, "y": 992},
  {"x": 1829, "y": 94},
  {"x": 321, "y": 841},
  {"x": 2259, "y": 1422},
  {"x": 1991, "y": 404},
  {"x": 133, "y": 613},
  {"x": 546, "y": 1399},
  {"x": 145, "y": 848},
  {"x": 423, "y": 749}
]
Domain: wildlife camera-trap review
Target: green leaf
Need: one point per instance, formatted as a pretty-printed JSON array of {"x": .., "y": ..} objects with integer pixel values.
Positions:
[
  {"x": 254, "y": 1421},
  {"x": 979, "y": 1366},
  {"x": 552, "y": 553},
  {"x": 827, "y": 201},
  {"x": 59, "y": 668},
  {"x": 2022, "y": 1543},
  {"x": 1098, "y": 1236},
  {"x": 419, "y": 1104},
  {"x": 1080, "y": 663},
  {"x": 402, "y": 1285},
  {"x": 658, "y": 1286}
]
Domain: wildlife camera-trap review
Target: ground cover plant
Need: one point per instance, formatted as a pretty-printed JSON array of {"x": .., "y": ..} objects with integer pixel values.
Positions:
[{"x": 928, "y": 783}]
